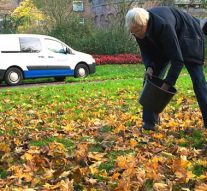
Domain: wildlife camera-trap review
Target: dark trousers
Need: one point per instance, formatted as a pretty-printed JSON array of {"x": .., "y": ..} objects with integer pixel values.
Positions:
[{"x": 200, "y": 88}]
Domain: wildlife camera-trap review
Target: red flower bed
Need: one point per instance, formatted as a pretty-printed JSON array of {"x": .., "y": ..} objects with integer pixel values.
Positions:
[{"x": 117, "y": 59}]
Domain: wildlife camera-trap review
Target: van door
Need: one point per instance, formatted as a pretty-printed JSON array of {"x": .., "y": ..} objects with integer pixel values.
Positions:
[
  {"x": 59, "y": 62},
  {"x": 32, "y": 56}
]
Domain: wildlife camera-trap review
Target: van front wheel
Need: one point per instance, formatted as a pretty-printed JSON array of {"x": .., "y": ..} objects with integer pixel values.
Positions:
[
  {"x": 81, "y": 71},
  {"x": 13, "y": 76}
]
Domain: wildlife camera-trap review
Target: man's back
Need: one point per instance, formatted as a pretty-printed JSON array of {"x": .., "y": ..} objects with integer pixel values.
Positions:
[{"x": 183, "y": 20}]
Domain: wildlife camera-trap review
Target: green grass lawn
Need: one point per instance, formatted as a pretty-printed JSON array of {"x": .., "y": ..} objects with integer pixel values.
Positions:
[
  {"x": 92, "y": 125},
  {"x": 131, "y": 73}
]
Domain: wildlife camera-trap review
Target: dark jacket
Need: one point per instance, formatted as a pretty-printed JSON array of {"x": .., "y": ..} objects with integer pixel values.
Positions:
[{"x": 174, "y": 36}]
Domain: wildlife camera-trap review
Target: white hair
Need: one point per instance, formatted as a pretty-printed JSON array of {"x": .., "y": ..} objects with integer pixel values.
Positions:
[{"x": 136, "y": 16}]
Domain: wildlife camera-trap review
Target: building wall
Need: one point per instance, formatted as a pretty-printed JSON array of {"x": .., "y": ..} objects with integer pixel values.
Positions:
[
  {"x": 83, "y": 9},
  {"x": 104, "y": 12},
  {"x": 7, "y": 6},
  {"x": 107, "y": 10}
]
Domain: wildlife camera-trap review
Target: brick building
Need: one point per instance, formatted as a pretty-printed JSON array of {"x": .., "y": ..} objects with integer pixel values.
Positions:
[
  {"x": 106, "y": 11},
  {"x": 6, "y": 6},
  {"x": 83, "y": 8}
]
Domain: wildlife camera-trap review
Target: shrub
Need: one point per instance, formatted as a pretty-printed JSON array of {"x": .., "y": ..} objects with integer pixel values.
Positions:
[
  {"x": 94, "y": 40},
  {"x": 109, "y": 41},
  {"x": 117, "y": 59}
]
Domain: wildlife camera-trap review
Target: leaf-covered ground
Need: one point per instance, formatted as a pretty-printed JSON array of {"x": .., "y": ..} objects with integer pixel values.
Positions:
[{"x": 87, "y": 137}]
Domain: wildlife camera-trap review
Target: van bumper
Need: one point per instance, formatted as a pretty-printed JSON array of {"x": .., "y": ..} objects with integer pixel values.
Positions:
[
  {"x": 92, "y": 68},
  {"x": 2, "y": 72}
]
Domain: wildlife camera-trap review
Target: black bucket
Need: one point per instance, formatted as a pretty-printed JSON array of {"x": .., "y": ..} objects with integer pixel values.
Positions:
[{"x": 155, "y": 98}]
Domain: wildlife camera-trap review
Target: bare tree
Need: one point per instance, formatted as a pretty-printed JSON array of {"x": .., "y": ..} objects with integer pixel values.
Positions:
[
  {"x": 120, "y": 8},
  {"x": 56, "y": 11}
]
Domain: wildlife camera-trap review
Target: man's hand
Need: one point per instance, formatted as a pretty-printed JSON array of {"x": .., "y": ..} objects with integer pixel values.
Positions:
[
  {"x": 149, "y": 73},
  {"x": 165, "y": 86}
]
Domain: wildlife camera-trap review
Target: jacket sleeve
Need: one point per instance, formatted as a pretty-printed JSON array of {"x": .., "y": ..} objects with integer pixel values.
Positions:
[
  {"x": 171, "y": 47},
  {"x": 145, "y": 53}
]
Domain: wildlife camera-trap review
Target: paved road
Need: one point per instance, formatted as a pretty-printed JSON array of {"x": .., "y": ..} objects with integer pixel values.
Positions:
[
  {"x": 30, "y": 84},
  {"x": 38, "y": 84}
]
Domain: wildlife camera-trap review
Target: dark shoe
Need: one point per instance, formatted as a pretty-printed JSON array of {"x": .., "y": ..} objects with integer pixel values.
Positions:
[{"x": 148, "y": 126}]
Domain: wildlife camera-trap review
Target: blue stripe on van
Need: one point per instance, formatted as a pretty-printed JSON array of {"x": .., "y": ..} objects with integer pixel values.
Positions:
[{"x": 47, "y": 73}]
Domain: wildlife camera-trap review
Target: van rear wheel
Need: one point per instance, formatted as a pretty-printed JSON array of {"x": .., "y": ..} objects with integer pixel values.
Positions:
[{"x": 13, "y": 76}]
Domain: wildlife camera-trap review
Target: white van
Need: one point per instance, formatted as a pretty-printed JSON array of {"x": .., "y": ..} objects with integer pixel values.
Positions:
[{"x": 24, "y": 56}]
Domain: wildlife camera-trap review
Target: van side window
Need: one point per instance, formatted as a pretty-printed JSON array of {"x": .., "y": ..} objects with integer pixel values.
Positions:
[
  {"x": 30, "y": 44},
  {"x": 55, "y": 46}
]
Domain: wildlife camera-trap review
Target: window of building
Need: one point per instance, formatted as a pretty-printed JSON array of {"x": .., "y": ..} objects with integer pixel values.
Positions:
[
  {"x": 110, "y": 17},
  {"x": 96, "y": 21},
  {"x": 82, "y": 21},
  {"x": 78, "y": 6},
  {"x": 30, "y": 44},
  {"x": 102, "y": 19}
]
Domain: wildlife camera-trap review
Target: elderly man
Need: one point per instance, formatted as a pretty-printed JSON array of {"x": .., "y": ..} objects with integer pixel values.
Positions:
[{"x": 167, "y": 35}]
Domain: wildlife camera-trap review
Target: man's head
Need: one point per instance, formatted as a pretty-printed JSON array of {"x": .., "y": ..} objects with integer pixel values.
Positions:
[{"x": 136, "y": 21}]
